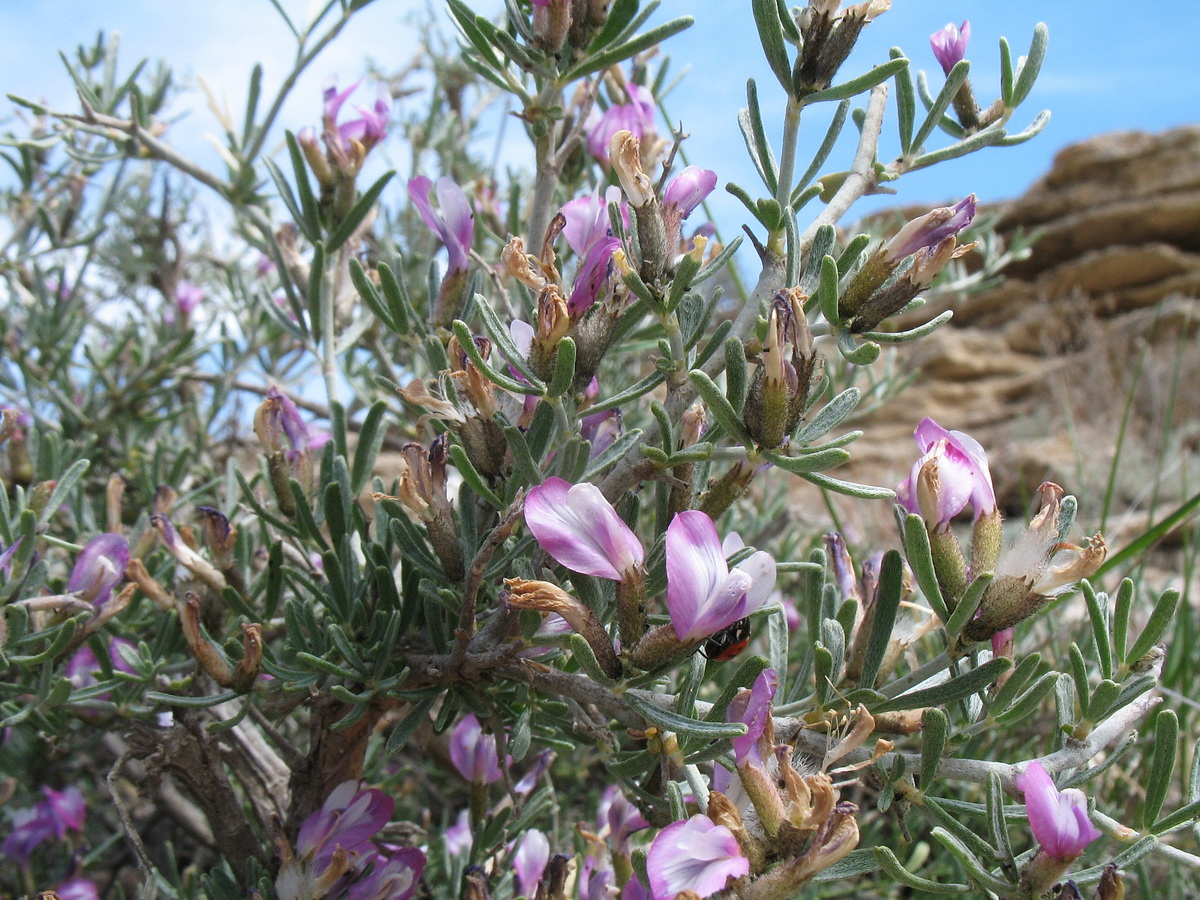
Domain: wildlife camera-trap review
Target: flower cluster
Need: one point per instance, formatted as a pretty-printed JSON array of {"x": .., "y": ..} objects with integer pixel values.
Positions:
[{"x": 335, "y": 856}]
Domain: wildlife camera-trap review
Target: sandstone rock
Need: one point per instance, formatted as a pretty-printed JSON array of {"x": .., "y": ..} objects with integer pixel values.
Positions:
[{"x": 1100, "y": 324}]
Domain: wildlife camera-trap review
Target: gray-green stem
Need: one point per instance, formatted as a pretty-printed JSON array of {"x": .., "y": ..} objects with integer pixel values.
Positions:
[
  {"x": 548, "y": 165},
  {"x": 787, "y": 154}
]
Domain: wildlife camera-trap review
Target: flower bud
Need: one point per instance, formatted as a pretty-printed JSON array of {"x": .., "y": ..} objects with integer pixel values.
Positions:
[{"x": 790, "y": 367}]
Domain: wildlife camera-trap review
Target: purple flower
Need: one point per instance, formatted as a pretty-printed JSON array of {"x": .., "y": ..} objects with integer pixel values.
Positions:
[
  {"x": 78, "y": 889},
  {"x": 694, "y": 855},
  {"x": 703, "y": 594},
  {"x": 187, "y": 297},
  {"x": 394, "y": 876},
  {"x": 927, "y": 231},
  {"x": 1059, "y": 819},
  {"x": 592, "y": 276},
  {"x": 457, "y": 837},
  {"x": 50, "y": 818},
  {"x": 278, "y": 418},
  {"x": 581, "y": 530},
  {"x": 601, "y": 429},
  {"x": 587, "y": 218},
  {"x": 529, "y": 862},
  {"x": 950, "y": 44},
  {"x": 636, "y": 117},
  {"x": 952, "y": 472},
  {"x": 454, "y": 223},
  {"x": 753, "y": 708},
  {"x": 688, "y": 189},
  {"x": 541, "y": 763},
  {"x": 82, "y": 667},
  {"x": 368, "y": 130},
  {"x": 99, "y": 568},
  {"x": 474, "y": 753},
  {"x": 7, "y": 555},
  {"x": 347, "y": 820},
  {"x": 621, "y": 817}
]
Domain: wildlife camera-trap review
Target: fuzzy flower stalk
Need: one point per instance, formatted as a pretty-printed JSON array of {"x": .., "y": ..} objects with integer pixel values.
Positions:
[
  {"x": 899, "y": 270},
  {"x": 1038, "y": 567}
]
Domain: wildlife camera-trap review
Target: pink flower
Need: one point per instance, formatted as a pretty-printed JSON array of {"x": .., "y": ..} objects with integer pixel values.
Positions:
[
  {"x": 368, "y": 130},
  {"x": 50, "y": 818},
  {"x": 453, "y": 223},
  {"x": 952, "y": 472},
  {"x": 187, "y": 297},
  {"x": 394, "y": 876},
  {"x": 99, "y": 568},
  {"x": 458, "y": 837},
  {"x": 347, "y": 820},
  {"x": 621, "y": 817},
  {"x": 7, "y": 554},
  {"x": 636, "y": 117},
  {"x": 703, "y": 594},
  {"x": 78, "y": 889},
  {"x": 281, "y": 419},
  {"x": 1059, "y": 819},
  {"x": 474, "y": 753},
  {"x": 529, "y": 862},
  {"x": 950, "y": 44},
  {"x": 587, "y": 218},
  {"x": 927, "y": 231},
  {"x": 688, "y": 189},
  {"x": 694, "y": 855},
  {"x": 581, "y": 530},
  {"x": 82, "y": 667},
  {"x": 592, "y": 276},
  {"x": 753, "y": 708}
]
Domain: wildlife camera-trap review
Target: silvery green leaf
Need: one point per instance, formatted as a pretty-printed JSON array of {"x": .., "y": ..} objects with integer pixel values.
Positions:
[
  {"x": 1160, "y": 618},
  {"x": 976, "y": 870},
  {"x": 1162, "y": 765},
  {"x": 770, "y": 35},
  {"x": 970, "y": 682},
  {"x": 945, "y": 97},
  {"x": 684, "y": 725},
  {"x": 920, "y": 559},
  {"x": 894, "y": 870},
  {"x": 906, "y": 102},
  {"x": 935, "y": 726},
  {"x": 887, "y": 602},
  {"x": 967, "y": 605},
  {"x": 831, "y": 135},
  {"x": 1030, "y": 66},
  {"x": 864, "y": 82}
]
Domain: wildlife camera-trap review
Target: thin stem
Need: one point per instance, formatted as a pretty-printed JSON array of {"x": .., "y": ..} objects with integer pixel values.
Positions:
[
  {"x": 548, "y": 165},
  {"x": 328, "y": 337},
  {"x": 862, "y": 177}
]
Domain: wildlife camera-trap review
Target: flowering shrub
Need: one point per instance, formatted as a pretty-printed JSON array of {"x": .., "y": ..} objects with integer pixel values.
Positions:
[{"x": 373, "y": 547}]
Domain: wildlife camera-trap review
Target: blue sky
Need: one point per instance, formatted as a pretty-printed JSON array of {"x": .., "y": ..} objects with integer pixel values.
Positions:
[{"x": 1111, "y": 66}]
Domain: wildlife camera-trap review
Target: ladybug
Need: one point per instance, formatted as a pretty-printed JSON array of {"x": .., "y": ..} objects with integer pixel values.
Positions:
[{"x": 728, "y": 642}]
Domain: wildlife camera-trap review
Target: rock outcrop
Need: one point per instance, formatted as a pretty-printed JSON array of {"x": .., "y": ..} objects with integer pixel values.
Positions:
[{"x": 1096, "y": 328}]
